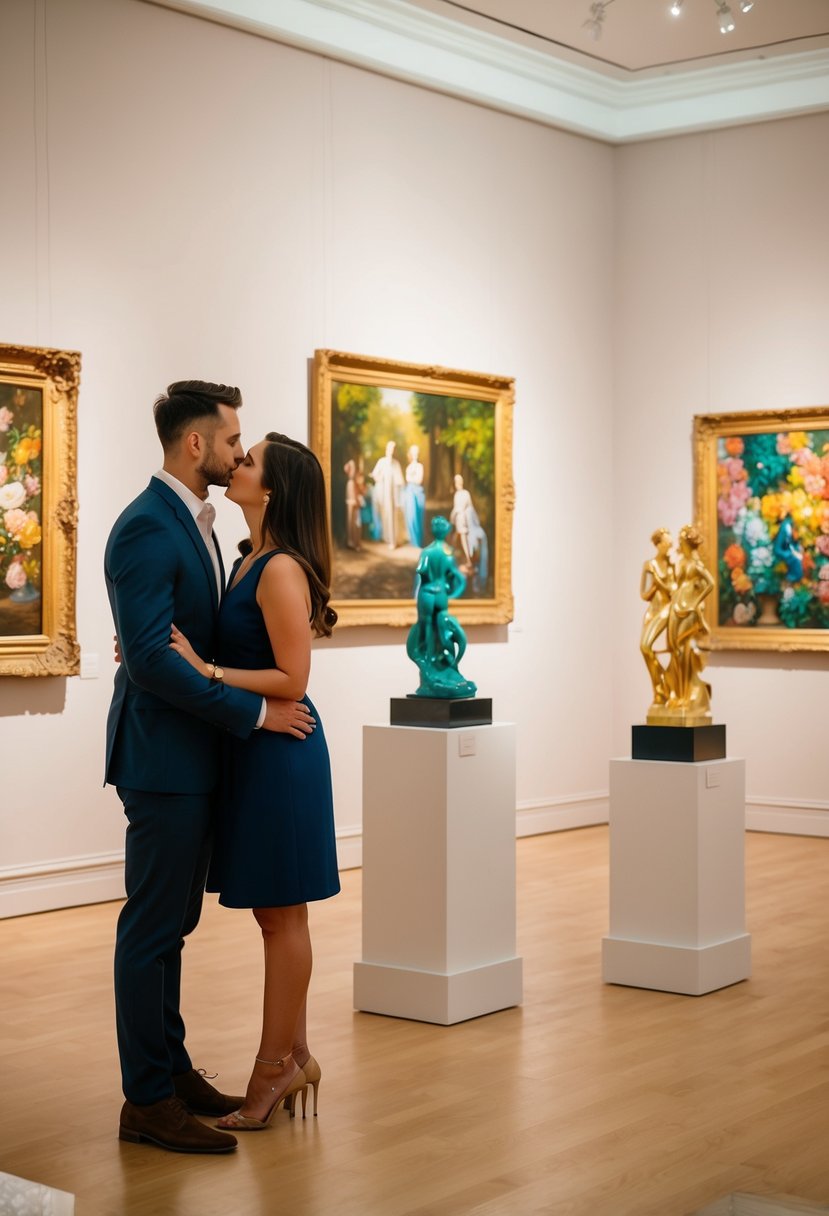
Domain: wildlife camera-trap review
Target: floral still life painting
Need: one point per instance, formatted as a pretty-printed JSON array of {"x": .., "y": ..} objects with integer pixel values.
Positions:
[
  {"x": 21, "y": 435},
  {"x": 763, "y": 493},
  {"x": 38, "y": 511}
]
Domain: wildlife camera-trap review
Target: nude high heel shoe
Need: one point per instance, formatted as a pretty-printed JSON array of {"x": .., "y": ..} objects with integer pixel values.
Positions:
[
  {"x": 298, "y": 1084},
  {"x": 313, "y": 1075}
]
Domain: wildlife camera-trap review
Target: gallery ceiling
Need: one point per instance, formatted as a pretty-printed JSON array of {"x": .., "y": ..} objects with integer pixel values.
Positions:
[
  {"x": 648, "y": 74},
  {"x": 642, "y": 35}
]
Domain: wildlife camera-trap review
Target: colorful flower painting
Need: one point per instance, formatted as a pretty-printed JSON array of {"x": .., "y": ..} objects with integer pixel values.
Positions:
[
  {"x": 21, "y": 476},
  {"x": 38, "y": 511},
  {"x": 763, "y": 493}
]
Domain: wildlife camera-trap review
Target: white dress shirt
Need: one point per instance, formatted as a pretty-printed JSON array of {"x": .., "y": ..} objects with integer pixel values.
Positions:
[{"x": 204, "y": 513}]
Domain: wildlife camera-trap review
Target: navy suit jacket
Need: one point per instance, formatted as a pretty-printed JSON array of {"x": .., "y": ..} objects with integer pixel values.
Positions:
[{"x": 165, "y": 719}]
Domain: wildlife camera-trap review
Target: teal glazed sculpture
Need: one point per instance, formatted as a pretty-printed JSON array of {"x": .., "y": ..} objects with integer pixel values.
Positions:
[{"x": 436, "y": 642}]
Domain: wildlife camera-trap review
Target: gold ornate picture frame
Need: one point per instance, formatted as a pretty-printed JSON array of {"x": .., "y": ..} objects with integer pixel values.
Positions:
[
  {"x": 761, "y": 490},
  {"x": 38, "y": 511},
  {"x": 399, "y": 444}
]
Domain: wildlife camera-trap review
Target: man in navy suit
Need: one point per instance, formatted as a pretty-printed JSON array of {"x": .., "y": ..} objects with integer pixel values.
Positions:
[{"x": 163, "y": 566}]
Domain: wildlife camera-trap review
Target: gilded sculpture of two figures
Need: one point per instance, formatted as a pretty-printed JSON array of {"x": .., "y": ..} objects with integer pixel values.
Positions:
[{"x": 674, "y": 588}]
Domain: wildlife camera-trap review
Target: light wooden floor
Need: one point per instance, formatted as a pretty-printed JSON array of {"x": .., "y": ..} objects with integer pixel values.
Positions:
[{"x": 588, "y": 1100}]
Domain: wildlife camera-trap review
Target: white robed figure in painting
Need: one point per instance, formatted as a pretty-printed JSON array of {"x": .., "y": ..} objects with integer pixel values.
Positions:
[
  {"x": 415, "y": 500},
  {"x": 387, "y": 476}
]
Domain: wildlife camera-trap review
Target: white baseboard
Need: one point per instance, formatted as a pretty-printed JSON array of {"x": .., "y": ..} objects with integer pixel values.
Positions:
[
  {"x": 350, "y": 848},
  {"x": 534, "y": 818},
  {"x": 94, "y": 879},
  {"x": 560, "y": 814},
  {"x": 100, "y": 877},
  {"x": 788, "y": 816}
]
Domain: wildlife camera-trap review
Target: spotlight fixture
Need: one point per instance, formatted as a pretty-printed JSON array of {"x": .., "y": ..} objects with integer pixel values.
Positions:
[
  {"x": 594, "y": 22},
  {"x": 725, "y": 17}
]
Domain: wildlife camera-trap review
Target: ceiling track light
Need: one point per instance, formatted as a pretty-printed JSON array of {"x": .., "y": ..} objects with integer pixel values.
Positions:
[
  {"x": 594, "y": 22},
  {"x": 725, "y": 17}
]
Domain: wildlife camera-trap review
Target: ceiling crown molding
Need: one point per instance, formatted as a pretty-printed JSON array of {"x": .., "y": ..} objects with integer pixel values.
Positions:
[{"x": 391, "y": 37}]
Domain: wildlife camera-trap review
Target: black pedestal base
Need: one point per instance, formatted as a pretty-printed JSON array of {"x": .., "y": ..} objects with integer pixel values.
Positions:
[
  {"x": 688, "y": 744},
  {"x": 441, "y": 712}
]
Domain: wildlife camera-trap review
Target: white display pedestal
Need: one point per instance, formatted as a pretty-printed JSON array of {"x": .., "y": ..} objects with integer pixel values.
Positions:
[
  {"x": 677, "y": 876},
  {"x": 438, "y": 873}
]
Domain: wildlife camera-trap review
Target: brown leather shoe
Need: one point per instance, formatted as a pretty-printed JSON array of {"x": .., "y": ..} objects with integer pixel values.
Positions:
[
  {"x": 170, "y": 1125},
  {"x": 199, "y": 1096}
]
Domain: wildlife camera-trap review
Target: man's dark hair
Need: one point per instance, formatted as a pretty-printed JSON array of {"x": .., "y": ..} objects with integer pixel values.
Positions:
[{"x": 185, "y": 402}]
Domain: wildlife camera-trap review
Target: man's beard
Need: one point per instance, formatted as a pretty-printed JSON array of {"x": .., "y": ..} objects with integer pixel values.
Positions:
[{"x": 214, "y": 473}]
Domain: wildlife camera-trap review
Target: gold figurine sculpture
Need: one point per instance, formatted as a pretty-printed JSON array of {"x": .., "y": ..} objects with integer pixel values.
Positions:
[{"x": 674, "y": 589}]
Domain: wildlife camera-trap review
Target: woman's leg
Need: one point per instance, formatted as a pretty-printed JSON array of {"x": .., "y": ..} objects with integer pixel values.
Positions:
[
  {"x": 300, "y": 1051},
  {"x": 287, "y": 974}
]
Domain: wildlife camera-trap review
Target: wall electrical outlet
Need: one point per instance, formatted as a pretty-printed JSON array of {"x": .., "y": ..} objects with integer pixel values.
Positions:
[{"x": 466, "y": 745}]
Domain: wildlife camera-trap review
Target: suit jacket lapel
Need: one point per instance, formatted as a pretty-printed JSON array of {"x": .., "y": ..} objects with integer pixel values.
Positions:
[
  {"x": 221, "y": 565},
  {"x": 180, "y": 508}
]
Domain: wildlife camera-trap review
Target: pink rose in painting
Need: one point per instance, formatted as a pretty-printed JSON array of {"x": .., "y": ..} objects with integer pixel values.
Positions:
[
  {"x": 727, "y": 512},
  {"x": 4, "y": 474},
  {"x": 784, "y": 446},
  {"x": 6, "y": 418},
  {"x": 729, "y": 507},
  {"x": 16, "y": 576},
  {"x": 822, "y": 545},
  {"x": 13, "y": 522},
  {"x": 31, "y": 485}
]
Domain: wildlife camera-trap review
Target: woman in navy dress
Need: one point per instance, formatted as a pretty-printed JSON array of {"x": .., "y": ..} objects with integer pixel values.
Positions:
[{"x": 275, "y": 848}]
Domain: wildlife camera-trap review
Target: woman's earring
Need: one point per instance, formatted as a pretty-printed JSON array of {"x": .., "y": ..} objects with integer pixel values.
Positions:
[{"x": 267, "y": 498}]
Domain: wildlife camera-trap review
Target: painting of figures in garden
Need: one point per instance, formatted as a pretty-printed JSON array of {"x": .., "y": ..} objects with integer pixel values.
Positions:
[{"x": 398, "y": 459}]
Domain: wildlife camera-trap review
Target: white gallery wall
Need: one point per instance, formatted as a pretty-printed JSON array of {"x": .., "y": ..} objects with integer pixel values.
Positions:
[
  {"x": 721, "y": 304},
  {"x": 191, "y": 201},
  {"x": 185, "y": 200}
]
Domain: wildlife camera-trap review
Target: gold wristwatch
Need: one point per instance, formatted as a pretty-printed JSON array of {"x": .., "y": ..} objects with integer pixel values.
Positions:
[{"x": 216, "y": 672}]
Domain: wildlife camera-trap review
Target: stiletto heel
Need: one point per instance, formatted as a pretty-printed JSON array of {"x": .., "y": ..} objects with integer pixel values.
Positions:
[
  {"x": 246, "y": 1123},
  {"x": 313, "y": 1075}
]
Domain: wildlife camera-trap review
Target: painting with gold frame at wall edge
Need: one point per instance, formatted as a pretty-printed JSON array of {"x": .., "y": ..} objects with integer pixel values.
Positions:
[
  {"x": 384, "y": 389},
  {"x": 729, "y": 451},
  {"x": 39, "y": 519}
]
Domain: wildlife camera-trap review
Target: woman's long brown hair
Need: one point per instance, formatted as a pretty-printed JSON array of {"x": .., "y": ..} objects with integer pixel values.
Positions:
[{"x": 296, "y": 519}]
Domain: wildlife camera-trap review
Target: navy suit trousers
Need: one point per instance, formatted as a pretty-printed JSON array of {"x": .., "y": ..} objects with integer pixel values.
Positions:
[{"x": 167, "y": 853}]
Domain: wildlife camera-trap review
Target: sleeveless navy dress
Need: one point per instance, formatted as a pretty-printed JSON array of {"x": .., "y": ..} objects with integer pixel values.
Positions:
[{"x": 274, "y": 843}]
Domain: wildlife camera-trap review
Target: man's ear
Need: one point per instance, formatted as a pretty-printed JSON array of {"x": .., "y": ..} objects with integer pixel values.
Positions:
[{"x": 194, "y": 445}]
